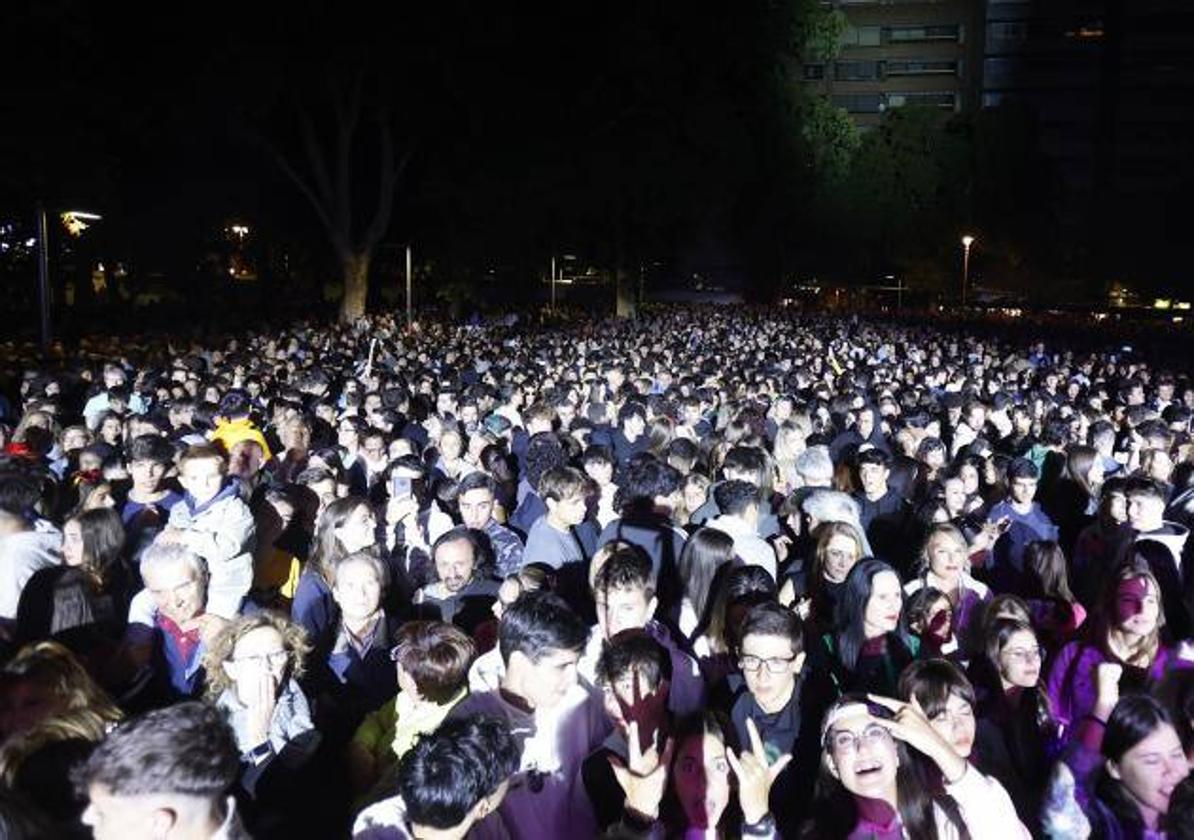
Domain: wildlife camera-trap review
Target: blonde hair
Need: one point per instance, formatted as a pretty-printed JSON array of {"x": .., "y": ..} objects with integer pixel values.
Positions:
[
  {"x": 53, "y": 666},
  {"x": 942, "y": 531},
  {"x": 294, "y": 641},
  {"x": 76, "y": 725}
]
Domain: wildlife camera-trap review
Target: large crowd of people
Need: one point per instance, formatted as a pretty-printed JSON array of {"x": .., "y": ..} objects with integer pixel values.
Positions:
[{"x": 713, "y": 572}]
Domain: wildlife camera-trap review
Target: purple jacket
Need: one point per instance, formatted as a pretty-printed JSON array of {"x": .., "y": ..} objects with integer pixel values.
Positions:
[{"x": 1072, "y": 683}]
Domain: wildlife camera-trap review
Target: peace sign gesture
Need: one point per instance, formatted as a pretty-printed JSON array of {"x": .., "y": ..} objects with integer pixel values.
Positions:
[
  {"x": 755, "y": 775},
  {"x": 643, "y": 776},
  {"x": 911, "y": 725}
]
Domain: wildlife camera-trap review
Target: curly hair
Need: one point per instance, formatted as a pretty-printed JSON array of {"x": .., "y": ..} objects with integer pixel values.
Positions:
[{"x": 294, "y": 641}]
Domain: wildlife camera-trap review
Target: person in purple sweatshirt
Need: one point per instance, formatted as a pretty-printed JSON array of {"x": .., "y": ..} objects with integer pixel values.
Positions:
[{"x": 1127, "y": 631}]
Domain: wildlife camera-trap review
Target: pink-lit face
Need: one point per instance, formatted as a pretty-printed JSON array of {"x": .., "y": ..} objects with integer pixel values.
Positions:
[
  {"x": 1137, "y": 606},
  {"x": 701, "y": 777}
]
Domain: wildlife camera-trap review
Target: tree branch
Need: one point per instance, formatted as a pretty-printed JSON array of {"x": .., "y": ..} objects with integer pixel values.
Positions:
[
  {"x": 315, "y": 157},
  {"x": 348, "y": 111},
  {"x": 390, "y": 170},
  {"x": 338, "y": 241}
]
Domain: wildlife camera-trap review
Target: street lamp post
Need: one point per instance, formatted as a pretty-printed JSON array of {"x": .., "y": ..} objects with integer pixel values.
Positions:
[
  {"x": 75, "y": 222},
  {"x": 967, "y": 241},
  {"x": 409, "y": 315},
  {"x": 43, "y": 277}
]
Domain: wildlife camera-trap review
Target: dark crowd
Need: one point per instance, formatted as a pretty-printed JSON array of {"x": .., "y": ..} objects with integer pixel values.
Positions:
[{"x": 714, "y": 572}]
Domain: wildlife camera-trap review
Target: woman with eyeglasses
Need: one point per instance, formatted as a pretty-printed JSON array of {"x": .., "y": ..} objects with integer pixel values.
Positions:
[
  {"x": 253, "y": 666},
  {"x": 872, "y": 783},
  {"x": 1016, "y": 709}
]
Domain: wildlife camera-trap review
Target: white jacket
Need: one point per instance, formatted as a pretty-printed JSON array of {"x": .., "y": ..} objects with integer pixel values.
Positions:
[
  {"x": 21, "y": 555},
  {"x": 224, "y": 534},
  {"x": 748, "y": 545},
  {"x": 986, "y": 808}
]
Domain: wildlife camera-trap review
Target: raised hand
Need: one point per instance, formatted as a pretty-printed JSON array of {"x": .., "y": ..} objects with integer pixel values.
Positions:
[
  {"x": 647, "y": 711},
  {"x": 643, "y": 777},
  {"x": 1107, "y": 676},
  {"x": 911, "y": 725},
  {"x": 261, "y": 702},
  {"x": 755, "y": 775}
]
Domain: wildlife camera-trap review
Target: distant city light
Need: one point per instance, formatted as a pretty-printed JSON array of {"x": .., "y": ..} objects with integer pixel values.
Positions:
[
  {"x": 75, "y": 221},
  {"x": 1162, "y": 303}
]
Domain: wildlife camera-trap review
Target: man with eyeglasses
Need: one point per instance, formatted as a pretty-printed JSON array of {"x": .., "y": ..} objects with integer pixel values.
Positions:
[{"x": 769, "y": 693}]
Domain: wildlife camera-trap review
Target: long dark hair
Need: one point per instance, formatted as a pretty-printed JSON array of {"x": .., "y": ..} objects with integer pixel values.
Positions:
[
  {"x": 836, "y": 812},
  {"x": 1135, "y": 718},
  {"x": 704, "y": 553},
  {"x": 740, "y": 586},
  {"x": 326, "y": 548},
  {"x": 850, "y": 615},
  {"x": 103, "y": 539},
  {"x": 699, "y": 725}
]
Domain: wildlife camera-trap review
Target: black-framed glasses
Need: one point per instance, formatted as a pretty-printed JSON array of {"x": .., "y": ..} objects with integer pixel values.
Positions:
[{"x": 773, "y": 664}]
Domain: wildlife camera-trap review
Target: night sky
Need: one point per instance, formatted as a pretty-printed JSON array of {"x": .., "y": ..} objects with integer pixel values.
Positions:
[{"x": 628, "y": 135}]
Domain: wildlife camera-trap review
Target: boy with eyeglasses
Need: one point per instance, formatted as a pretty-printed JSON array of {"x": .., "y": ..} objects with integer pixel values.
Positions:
[{"x": 769, "y": 693}]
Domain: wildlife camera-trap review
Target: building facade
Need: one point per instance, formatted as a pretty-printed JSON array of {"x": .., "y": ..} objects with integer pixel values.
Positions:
[{"x": 899, "y": 52}]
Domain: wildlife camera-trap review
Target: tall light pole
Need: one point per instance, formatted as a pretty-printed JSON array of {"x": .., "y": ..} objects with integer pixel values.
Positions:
[
  {"x": 409, "y": 316},
  {"x": 553, "y": 284},
  {"x": 75, "y": 222},
  {"x": 967, "y": 241},
  {"x": 43, "y": 277}
]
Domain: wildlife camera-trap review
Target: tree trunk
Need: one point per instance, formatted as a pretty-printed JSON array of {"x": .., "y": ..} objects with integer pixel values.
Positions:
[
  {"x": 625, "y": 303},
  {"x": 356, "y": 286}
]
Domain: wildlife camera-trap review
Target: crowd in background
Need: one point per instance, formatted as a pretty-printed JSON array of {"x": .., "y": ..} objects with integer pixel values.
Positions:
[{"x": 709, "y": 573}]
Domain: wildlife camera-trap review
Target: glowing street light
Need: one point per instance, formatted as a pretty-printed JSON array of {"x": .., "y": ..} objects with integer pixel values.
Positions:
[
  {"x": 75, "y": 221},
  {"x": 967, "y": 241}
]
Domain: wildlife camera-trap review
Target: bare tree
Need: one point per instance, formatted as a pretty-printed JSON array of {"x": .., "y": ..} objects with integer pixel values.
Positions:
[{"x": 329, "y": 180}]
